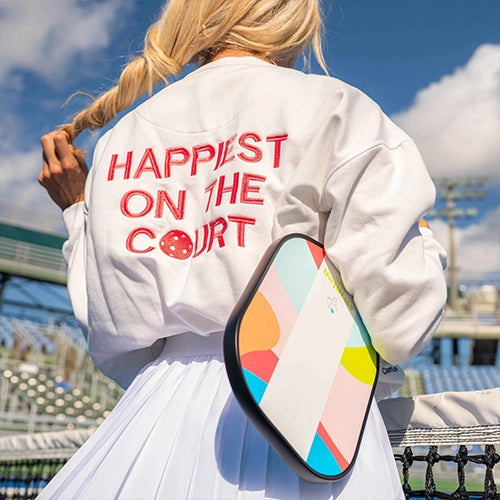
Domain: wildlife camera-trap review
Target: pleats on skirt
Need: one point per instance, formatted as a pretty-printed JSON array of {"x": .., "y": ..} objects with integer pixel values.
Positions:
[{"x": 178, "y": 433}]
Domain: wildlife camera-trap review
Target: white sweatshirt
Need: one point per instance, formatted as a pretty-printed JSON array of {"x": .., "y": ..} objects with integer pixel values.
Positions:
[{"x": 188, "y": 190}]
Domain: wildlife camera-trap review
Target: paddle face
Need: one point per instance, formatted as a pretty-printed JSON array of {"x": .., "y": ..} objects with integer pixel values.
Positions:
[{"x": 300, "y": 360}]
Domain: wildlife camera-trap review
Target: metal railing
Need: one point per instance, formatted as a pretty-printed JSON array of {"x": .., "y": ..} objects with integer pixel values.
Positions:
[{"x": 21, "y": 258}]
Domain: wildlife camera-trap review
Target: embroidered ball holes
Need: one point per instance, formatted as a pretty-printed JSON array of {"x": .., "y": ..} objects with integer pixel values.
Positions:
[{"x": 177, "y": 244}]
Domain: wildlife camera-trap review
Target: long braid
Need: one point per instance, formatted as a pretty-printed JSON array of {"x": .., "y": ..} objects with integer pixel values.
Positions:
[
  {"x": 137, "y": 78},
  {"x": 198, "y": 29}
]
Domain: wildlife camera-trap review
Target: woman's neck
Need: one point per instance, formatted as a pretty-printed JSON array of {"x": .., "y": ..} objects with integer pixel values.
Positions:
[
  {"x": 235, "y": 52},
  {"x": 286, "y": 62}
]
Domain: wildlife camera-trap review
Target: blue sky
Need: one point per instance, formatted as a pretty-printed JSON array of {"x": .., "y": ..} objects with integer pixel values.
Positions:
[{"x": 432, "y": 65}]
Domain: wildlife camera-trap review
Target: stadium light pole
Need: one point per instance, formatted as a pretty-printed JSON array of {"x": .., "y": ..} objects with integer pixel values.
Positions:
[{"x": 452, "y": 189}]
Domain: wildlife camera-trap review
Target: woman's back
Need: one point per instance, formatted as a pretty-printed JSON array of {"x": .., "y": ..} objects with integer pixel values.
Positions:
[{"x": 188, "y": 190}]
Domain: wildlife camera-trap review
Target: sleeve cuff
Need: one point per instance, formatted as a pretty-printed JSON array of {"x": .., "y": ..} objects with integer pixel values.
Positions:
[{"x": 73, "y": 217}]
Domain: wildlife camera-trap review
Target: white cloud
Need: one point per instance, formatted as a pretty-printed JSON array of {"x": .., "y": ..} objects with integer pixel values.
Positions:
[
  {"x": 477, "y": 246},
  {"x": 20, "y": 162},
  {"x": 19, "y": 173},
  {"x": 53, "y": 40},
  {"x": 10, "y": 125},
  {"x": 22, "y": 199},
  {"x": 45, "y": 36},
  {"x": 456, "y": 121}
]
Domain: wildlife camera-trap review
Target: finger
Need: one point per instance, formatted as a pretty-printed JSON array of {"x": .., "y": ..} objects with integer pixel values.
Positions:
[
  {"x": 49, "y": 148},
  {"x": 45, "y": 170},
  {"x": 63, "y": 145},
  {"x": 50, "y": 161},
  {"x": 70, "y": 157},
  {"x": 45, "y": 176},
  {"x": 80, "y": 158}
]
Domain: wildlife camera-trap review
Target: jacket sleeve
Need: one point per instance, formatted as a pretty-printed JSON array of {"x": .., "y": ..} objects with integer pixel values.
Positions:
[
  {"x": 393, "y": 268},
  {"x": 75, "y": 253}
]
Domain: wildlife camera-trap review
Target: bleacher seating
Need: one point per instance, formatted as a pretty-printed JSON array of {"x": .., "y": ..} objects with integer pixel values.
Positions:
[
  {"x": 36, "y": 335},
  {"x": 47, "y": 381},
  {"x": 30, "y": 334},
  {"x": 6, "y": 332},
  {"x": 76, "y": 336},
  {"x": 456, "y": 374},
  {"x": 44, "y": 394},
  {"x": 64, "y": 386},
  {"x": 455, "y": 378}
]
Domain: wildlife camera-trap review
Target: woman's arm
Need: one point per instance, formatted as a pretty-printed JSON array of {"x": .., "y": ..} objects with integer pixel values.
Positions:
[
  {"x": 64, "y": 176},
  {"x": 388, "y": 259}
]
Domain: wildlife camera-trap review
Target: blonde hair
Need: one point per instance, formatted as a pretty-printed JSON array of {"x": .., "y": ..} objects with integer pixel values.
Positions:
[{"x": 197, "y": 30}]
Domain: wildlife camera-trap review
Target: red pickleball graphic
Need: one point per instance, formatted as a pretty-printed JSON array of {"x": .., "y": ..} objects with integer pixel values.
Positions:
[{"x": 177, "y": 244}]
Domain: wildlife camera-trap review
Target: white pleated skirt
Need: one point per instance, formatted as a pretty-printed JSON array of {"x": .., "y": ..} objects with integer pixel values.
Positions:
[{"x": 178, "y": 433}]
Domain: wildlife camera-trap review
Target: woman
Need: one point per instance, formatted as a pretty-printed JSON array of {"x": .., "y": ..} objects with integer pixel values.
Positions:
[{"x": 184, "y": 195}]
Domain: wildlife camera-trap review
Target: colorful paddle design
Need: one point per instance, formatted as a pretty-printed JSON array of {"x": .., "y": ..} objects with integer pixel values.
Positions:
[{"x": 300, "y": 360}]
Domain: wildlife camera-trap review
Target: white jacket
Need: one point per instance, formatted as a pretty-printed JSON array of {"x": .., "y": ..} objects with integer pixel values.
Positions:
[{"x": 188, "y": 190}]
